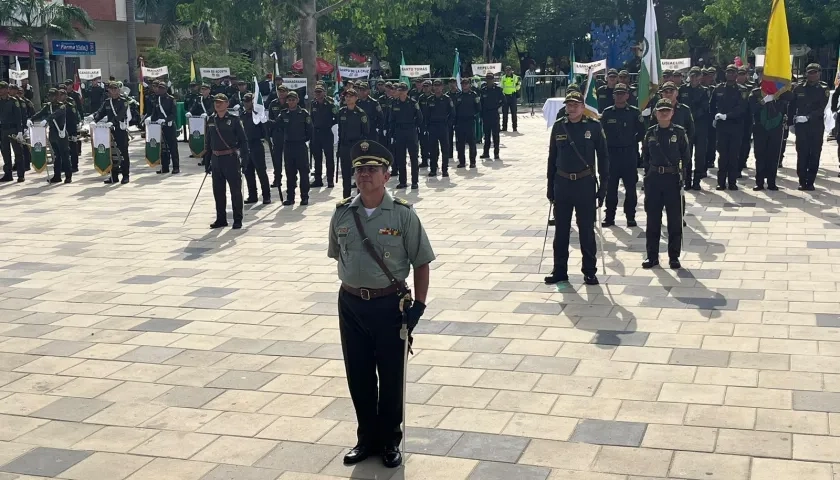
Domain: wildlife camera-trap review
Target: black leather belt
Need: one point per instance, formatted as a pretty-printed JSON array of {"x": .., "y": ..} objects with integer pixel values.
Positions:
[
  {"x": 663, "y": 170},
  {"x": 371, "y": 293},
  {"x": 575, "y": 176}
]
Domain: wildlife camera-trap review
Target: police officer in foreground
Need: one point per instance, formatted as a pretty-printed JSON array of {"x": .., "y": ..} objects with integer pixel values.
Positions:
[
  {"x": 511, "y": 84},
  {"x": 296, "y": 124},
  {"x": 491, "y": 99},
  {"x": 405, "y": 121},
  {"x": 696, "y": 96},
  {"x": 623, "y": 129},
  {"x": 729, "y": 109},
  {"x": 224, "y": 136},
  {"x": 254, "y": 164},
  {"x": 467, "y": 108},
  {"x": 663, "y": 149},
  {"x": 576, "y": 141},
  {"x": 114, "y": 110},
  {"x": 805, "y": 117},
  {"x": 708, "y": 80},
  {"x": 373, "y": 287},
  {"x": 324, "y": 116}
]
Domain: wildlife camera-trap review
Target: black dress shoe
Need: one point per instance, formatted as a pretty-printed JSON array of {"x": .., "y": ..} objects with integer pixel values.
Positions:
[
  {"x": 68, "y": 180},
  {"x": 414, "y": 186},
  {"x": 6, "y": 178},
  {"x": 273, "y": 184},
  {"x": 772, "y": 187},
  {"x": 696, "y": 187},
  {"x": 485, "y": 156},
  {"x": 720, "y": 187},
  {"x": 219, "y": 224},
  {"x": 401, "y": 186},
  {"x": 608, "y": 223},
  {"x": 445, "y": 174},
  {"x": 357, "y": 454},
  {"x": 109, "y": 181},
  {"x": 552, "y": 279},
  {"x": 461, "y": 165},
  {"x": 266, "y": 200},
  {"x": 176, "y": 170},
  {"x": 330, "y": 185},
  {"x": 317, "y": 184},
  {"x": 75, "y": 169},
  {"x": 801, "y": 188},
  {"x": 472, "y": 164},
  {"x": 304, "y": 201},
  {"x": 423, "y": 164},
  {"x": 496, "y": 157},
  {"x": 590, "y": 279},
  {"x": 20, "y": 179},
  {"x": 810, "y": 188},
  {"x": 674, "y": 263},
  {"x": 758, "y": 188},
  {"x": 733, "y": 187},
  {"x": 289, "y": 201},
  {"x": 250, "y": 200},
  {"x": 52, "y": 180},
  {"x": 650, "y": 263},
  {"x": 433, "y": 173},
  {"x": 631, "y": 222},
  {"x": 124, "y": 180},
  {"x": 159, "y": 172},
  {"x": 391, "y": 456},
  {"x": 237, "y": 224}
]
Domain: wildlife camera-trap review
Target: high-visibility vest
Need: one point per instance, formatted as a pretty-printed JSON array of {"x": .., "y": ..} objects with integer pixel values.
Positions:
[{"x": 510, "y": 85}]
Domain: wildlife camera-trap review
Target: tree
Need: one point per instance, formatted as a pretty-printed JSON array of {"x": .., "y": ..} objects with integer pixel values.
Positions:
[
  {"x": 32, "y": 20},
  {"x": 131, "y": 40}
]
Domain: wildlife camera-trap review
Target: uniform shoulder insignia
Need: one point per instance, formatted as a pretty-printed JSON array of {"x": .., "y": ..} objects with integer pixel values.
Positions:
[
  {"x": 652, "y": 128},
  {"x": 678, "y": 127},
  {"x": 402, "y": 201},
  {"x": 344, "y": 202},
  {"x": 611, "y": 107},
  {"x": 633, "y": 107}
]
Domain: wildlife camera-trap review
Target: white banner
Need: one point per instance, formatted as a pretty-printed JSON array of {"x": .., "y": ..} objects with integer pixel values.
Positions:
[
  {"x": 90, "y": 73},
  {"x": 351, "y": 72},
  {"x": 101, "y": 135},
  {"x": 414, "y": 71},
  {"x": 214, "y": 73},
  {"x": 482, "y": 69},
  {"x": 294, "y": 83},
  {"x": 38, "y": 136},
  {"x": 153, "y": 133},
  {"x": 155, "y": 72},
  {"x": 196, "y": 124},
  {"x": 759, "y": 60},
  {"x": 18, "y": 75},
  {"x": 595, "y": 67},
  {"x": 675, "y": 63}
]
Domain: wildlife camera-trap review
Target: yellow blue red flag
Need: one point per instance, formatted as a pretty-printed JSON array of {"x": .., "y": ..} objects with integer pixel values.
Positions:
[{"x": 777, "y": 74}]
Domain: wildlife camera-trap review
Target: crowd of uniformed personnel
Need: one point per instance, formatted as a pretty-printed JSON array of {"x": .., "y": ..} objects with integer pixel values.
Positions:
[{"x": 676, "y": 152}]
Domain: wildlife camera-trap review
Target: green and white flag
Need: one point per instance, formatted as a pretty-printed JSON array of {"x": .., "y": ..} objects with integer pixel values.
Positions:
[
  {"x": 651, "y": 69},
  {"x": 38, "y": 147},
  {"x": 591, "y": 98},
  {"x": 196, "y": 129},
  {"x": 101, "y": 147},
  {"x": 403, "y": 79},
  {"x": 153, "y": 147}
]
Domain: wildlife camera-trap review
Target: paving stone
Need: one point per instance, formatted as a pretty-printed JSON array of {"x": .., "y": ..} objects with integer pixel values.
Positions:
[
  {"x": 188, "y": 397},
  {"x": 48, "y": 462},
  {"x": 242, "y": 380},
  {"x": 160, "y": 325},
  {"x": 212, "y": 292},
  {"x": 430, "y": 441},
  {"x": 234, "y": 472},
  {"x": 608, "y": 337},
  {"x": 705, "y": 358},
  {"x": 71, "y": 409},
  {"x": 555, "y": 365},
  {"x": 298, "y": 457},
  {"x": 481, "y": 446},
  {"x": 816, "y": 401},
  {"x": 147, "y": 354},
  {"x": 505, "y": 471},
  {"x": 469, "y": 329},
  {"x": 143, "y": 280},
  {"x": 604, "y": 432}
]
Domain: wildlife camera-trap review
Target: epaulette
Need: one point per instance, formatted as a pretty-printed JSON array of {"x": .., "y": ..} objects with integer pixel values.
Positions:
[
  {"x": 402, "y": 201},
  {"x": 677, "y": 127},
  {"x": 823, "y": 84},
  {"x": 344, "y": 202},
  {"x": 611, "y": 107}
]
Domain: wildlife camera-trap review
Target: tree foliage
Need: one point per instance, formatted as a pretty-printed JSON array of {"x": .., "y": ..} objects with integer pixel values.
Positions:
[{"x": 211, "y": 56}]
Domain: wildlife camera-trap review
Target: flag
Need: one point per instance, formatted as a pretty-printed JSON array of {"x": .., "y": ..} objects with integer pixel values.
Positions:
[
  {"x": 193, "y": 77},
  {"x": 743, "y": 52},
  {"x": 140, "y": 89},
  {"x": 276, "y": 67},
  {"x": 77, "y": 84},
  {"x": 17, "y": 67},
  {"x": 456, "y": 69},
  {"x": 337, "y": 90},
  {"x": 651, "y": 68},
  {"x": 572, "y": 77},
  {"x": 402, "y": 62},
  {"x": 591, "y": 98},
  {"x": 777, "y": 72}
]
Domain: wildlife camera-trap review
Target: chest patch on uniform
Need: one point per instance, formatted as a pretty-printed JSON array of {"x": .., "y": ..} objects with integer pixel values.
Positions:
[
  {"x": 396, "y": 109},
  {"x": 612, "y": 120},
  {"x": 587, "y": 135},
  {"x": 673, "y": 139},
  {"x": 390, "y": 231},
  {"x": 228, "y": 122},
  {"x": 343, "y": 231},
  {"x": 560, "y": 138}
]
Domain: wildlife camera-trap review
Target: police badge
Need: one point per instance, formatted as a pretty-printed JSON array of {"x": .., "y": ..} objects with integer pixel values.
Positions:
[{"x": 587, "y": 135}]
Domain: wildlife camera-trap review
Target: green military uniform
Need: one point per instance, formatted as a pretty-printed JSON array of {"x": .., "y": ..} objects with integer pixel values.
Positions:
[{"x": 369, "y": 311}]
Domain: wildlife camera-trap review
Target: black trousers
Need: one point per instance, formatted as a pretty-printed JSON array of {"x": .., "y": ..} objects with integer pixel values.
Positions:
[
  {"x": 577, "y": 196},
  {"x": 373, "y": 350},
  {"x": 509, "y": 105},
  {"x": 711, "y": 145},
  {"x": 451, "y": 141},
  {"x": 405, "y": 141},
  {"x": 226, "y": 171},
  {"x": 322, "y": 146},
  {"x": 808, "y": 150},
  {"x": 346, "y": 169},
  {"x": 255, "y": 168},
  {"x": 701, "y": 146},
  {"x": 729, "y": 138},
  {"x": 61, "y": 157},
  {"x": 297, "y": 164},
  {"x": 623, "y": 168},
  {"x": 7, "y": 145},
  {"x": 438, "y": 146},
  {"x": 170, "y": 137},
  {"x": 490, "y": 122},
  {"x": 663, "y": 191},
  {"x": 277, "y": 156},
  {"x": 768, "y": 148},
  {"x": 121, "y": 140},
  {"x": 744, "y": 153},
  {"x": 423, "y": 140},
  {"x": 465, "y": 135}
]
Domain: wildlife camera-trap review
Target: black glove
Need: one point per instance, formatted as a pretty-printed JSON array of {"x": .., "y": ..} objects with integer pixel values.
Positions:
[
  {"x": 414, "y": 313},
  {"x": 549, "y": 193},
  {"x": 600, "y": 196}
]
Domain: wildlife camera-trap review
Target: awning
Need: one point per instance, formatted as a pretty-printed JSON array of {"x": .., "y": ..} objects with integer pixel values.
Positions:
[
  {"x": 19, "y": 48},
  {"x": 322, "y": 66}
]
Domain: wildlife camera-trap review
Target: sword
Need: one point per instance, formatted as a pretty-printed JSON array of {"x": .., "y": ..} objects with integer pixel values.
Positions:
[
  {"x": 601, "y": 238},
  {"x": 406, "y": 338},
  {"x": 545, "y": 239},
  {"x": 196, "y": 198}
]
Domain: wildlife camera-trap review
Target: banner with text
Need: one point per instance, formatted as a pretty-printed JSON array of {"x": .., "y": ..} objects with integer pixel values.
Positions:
[
  {"x": 675, "y": 63},
  {"x": 18, "y": 75},
  {"x": 351, "y": 72},
  {"x": 214, "y": 73},
  {"x": 90, "y": 73},
  {"x": 155, "y": 72},
  {"x": 414, "y": 71},
  {"x": 482, "y": 69},
  {"x": 595, "y": 67},
  {"x": 294, "y": 83}
]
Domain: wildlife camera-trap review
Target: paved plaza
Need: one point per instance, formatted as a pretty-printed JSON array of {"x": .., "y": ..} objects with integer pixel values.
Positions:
[{"x": 135, "y": 347}]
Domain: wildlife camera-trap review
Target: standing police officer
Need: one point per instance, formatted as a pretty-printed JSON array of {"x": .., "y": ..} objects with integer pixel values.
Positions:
[
  {"x": 805, "y": 118},
  {"x": 10, "y": 125},
  {"x": 224, "y": 135},
  {"x": 324, "y": 116},
  {"x": 438, "y": 115},
  {"x": 664, "y": 147},
  {"x": 576, "y": 141},
  {"x": 353, "y": 126},
  {"x": 729, "y": 107},
  {"x": 164, "y": 112},
  {"x": 708, "y": 81},
  {"x": 491, "y": 99},
  {"x": 375, "y": 239},
  {"x": 297, "y": 130},
  {"x": 467, "y": 108},
  {"x": 768, "y": 122},
  {"x": 605, "y": 92},
  {"x": 681, "y": 116},
  {"x": 115, "y": 111},
  {"x": 373, "y": 109},
  {"x": 696, "y": 96},
  {"x": 254, "y": 163},
  {"x": 275, "y": 108},
  {"x": 624, "y": 129},
  {"x": 405, "y": 121},
  {"x": 54, "y": 115},
  {"x": 511, "y": 84}
]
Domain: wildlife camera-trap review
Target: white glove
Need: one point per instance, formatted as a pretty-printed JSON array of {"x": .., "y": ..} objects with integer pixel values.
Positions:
[
  {"x": 160, "y": 121},
  {"x": 109, "y": 124},
  {"x": 148, "y": 121},
  {"x": 769, "y": 98},
  {"x": 43, "y": 123},
  {"x": 236, "y": 107},
  {"x": 29, "y": 123},
  {"x": 189, "y": 115},
  {"x": 203, "y": 115},
  {"x": 646, "y": 112},
  {"x": 792, "y": 129},
  {"x": 20, "y": 136},
  {"x": 89, "y": 118},
  {"x": 801, "y": 119}
]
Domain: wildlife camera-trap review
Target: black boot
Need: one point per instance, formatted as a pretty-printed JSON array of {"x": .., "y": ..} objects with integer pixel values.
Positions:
[
  {"x": 290, "y": 200},
  {"x": 54, "y": 179},
  {"x": 124, "y": 179},
  {"x": 461, "y": 164},
  {"x": 554, "y": 278},
  {"x": 650, "y": 263},
  {"x": 631, "y": 222},
  {"x": 317, "y": 184},
  {"x": 250, "y": 200},
  {"x": 219, "y": 224},
  {"x": 674, "y": 263},
  {"x": 590, "y": 280},
  {"x": 304, "y": 201},
  {"x": 6, "y": 178},
  {"x": 608, "y": 222}
]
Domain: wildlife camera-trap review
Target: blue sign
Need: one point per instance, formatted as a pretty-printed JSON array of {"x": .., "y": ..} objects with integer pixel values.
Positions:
[{"x": 73, "y": 48}]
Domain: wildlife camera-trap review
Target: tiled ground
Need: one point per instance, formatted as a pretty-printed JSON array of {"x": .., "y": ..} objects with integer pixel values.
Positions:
[{"x": 134, "y": 347}]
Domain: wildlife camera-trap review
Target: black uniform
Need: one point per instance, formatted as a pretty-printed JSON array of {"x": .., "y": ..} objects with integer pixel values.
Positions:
[
  {"x": 624, "y": 129},
  {"x": 96, "y": 94},
  {"x": 384, "y": 135},
  {"x": 275, "y": 108},
  {"x": 405, "y": 121},
  {"x": 376, "y": 117},
  {"x": 605, "y": 99},
  {"x": 297, "y": 130},
  {"x": 697, "y": 100},
  {"x": 746, "y": 139},
  {"x": 438, "y": 115},
  {"x": 684, "y": 118},
  {"x": 353, "y": 126},
  {"x": 115, "y": 111},
  {"x": 27, "y": 109},
  {"x": 237, "y": 99},
  {"x": 324, "y": 116},
  {"x": 11, "y": 120},
  {"x": 809, "y": 100},
  {"x": 491, "y": 100},
  {"x": 768, "y": 122},
  {"x": 731, "y": 100},
  {"x": 73, "y": 119},
  {"x": 189, "y": 100},
  {"x": 572, "y": 186},
  {"x": 164, "y": 108},
  {"x": 224, "y": 135},
  {"x": 55, "y": 114},
  {"x": 663, "y": 150},
  {"x": 467, "y": 108},
  {"x": 254, "y": 163}
]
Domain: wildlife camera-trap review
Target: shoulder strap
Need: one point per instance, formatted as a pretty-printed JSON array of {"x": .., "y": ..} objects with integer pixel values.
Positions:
[
  {"x": 401, "y": 289},
  {"x": 221, "y": 139},
  {"x": 574, "y": 147}
]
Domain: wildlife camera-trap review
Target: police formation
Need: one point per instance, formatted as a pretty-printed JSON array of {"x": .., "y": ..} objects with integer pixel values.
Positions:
[{"x": 680, "y": 129}]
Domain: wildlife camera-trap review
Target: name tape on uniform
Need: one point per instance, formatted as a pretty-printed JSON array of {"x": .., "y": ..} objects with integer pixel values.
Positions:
[
  {"x": 90, "y": 73},
  {"x": 214, "y": 73},
  {"x": 482, "y": 69},
  {"x": 155, "y": 72},
  {"x": 594, "y": 67},
  {"x": 354, "y": 72},
  {"x": 18, "y": 74},
  {"x": 412, "y": 71},
  {"x": 676, "y": 63},
  {"x": 294, "y": 83}
]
